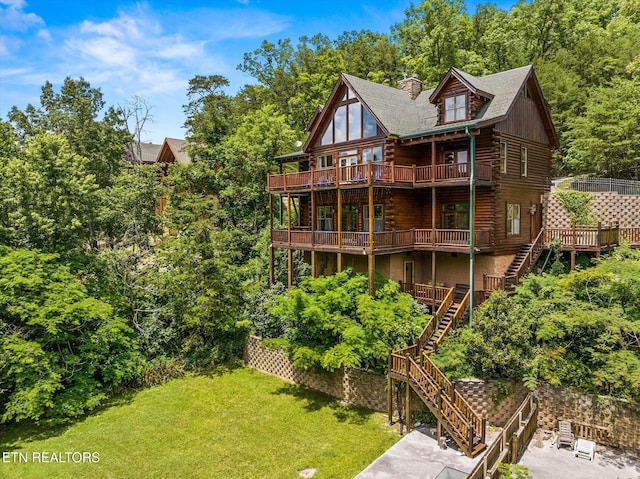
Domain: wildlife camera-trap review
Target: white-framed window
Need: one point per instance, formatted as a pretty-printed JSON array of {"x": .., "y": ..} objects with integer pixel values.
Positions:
[
  {"x": 325, "y": 161},
  {"x": 513, "y": 219},
  {"x": 372, "y": 154},
  {"x": 378, "y": 217},
  {"x": 524, "y": 161},
  {"x": 325, "y": 218},
  {"x": 455, "y": 108},
  {"x": 503, "y": 157}
]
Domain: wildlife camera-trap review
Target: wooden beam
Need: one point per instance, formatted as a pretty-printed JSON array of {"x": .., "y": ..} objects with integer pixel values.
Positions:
[
  {"x": 314, "y": 271},
  {"x": 372, "y": 274},
  {"x": 290, "y": 268},
  {"x": 339, "y": 262},
  {"x": 271, "y": 273}
]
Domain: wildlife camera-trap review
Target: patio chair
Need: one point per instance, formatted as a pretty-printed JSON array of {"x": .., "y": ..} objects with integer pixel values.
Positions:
[
  {"x": 586, "y": 449},
  {"x": 565, "y": 436}
]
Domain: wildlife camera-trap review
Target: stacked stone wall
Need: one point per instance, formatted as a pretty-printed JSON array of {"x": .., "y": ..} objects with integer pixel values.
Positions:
[{"x": 607, "y": 208}]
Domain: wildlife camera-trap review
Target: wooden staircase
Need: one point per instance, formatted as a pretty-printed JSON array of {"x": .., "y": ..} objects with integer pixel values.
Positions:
[
  {"x": 522, "y": 264},
  {"x": 413, "y": 366}
]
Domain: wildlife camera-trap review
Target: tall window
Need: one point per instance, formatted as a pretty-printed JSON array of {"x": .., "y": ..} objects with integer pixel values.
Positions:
[
  {"x": 523, "y": 161},
  {"x": 455, "y": 108},
  {"x": 455, "y": 216},
  {"x": 325, "y": 218},
  {"x": 351, "y": 121},
  {"x": 378, "y": 218},
  {"x": 503, "y": 157},
  {"x": 349, "y": 218},
  {"x": 513, "y": 219}
]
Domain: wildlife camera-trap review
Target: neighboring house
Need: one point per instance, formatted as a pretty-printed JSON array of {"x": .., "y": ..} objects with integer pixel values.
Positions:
[
  {"x": 450, "y": 181},
  {"x": 142, "y": 153},
  {"x": 173, "y": 151}
]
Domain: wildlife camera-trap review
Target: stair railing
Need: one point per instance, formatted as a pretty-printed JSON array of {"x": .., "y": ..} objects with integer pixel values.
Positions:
[
  {"x": 457, "y": 317},
  {"x": 432, "y": 325}
]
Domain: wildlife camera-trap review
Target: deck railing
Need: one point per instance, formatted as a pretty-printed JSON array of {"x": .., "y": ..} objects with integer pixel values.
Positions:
[
  {"x": 301, "y": 236},
  {"x": 423, "y": 293},
  {"x": 511, "y": 443},
  {"x": 387, "y": 173},
  {"x": 630, "y": 236},
  {"x": 586, "y": 238},
  {"x": 431, "y": 326}
]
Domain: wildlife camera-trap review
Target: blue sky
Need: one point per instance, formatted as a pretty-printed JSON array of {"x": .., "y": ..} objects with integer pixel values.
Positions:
[{"x": 151, "y": 49}]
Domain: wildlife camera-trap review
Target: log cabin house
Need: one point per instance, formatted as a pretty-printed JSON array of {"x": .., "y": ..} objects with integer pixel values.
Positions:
[{"x": 432, "y": 188}]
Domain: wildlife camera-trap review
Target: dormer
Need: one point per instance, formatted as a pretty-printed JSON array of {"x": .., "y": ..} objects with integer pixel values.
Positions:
[{"x": 459, "y": 97}]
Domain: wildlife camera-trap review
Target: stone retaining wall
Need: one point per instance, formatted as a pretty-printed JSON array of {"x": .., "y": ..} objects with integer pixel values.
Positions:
[
  {"x": 614, "y": 422},
  {"x": 606, "y": 207}
]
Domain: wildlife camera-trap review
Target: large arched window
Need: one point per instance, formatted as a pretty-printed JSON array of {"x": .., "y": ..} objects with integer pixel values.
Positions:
[{"x": 351, "y": 121}]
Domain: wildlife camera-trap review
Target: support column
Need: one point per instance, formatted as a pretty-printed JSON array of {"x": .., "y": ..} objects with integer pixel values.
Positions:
[
  {"x": 290, "y": 268},
  {"x": 314, "y": 271},
  {"x": 390, "y": 396},
  {"x": 372, "y": 274},
  {"x": 339, "y": 263},
  {"x": 271, "y": 273},
  {"x": 433, "y": 239}
]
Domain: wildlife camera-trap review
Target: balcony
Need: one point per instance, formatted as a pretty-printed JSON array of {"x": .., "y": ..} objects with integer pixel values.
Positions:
[
  {"x": 455, "y": 241},
  {"x": 383, "y": 174}
]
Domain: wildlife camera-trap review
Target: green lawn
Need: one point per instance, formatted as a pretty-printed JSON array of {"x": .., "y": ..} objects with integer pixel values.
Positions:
[{"x": 238, "y": 424}]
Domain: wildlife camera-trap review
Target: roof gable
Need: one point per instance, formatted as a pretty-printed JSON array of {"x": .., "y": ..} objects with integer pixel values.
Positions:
[
  {"x": 400, "y": 116},
  {"x": 473, "y": 84},
  {"x": 174, "y": 151}
]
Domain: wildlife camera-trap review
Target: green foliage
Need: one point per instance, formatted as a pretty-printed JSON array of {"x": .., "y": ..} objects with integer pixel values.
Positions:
[
  {"x": 61, "y": 348},
  {"x": 332, "y": 321},
  {"x": 579, "y": 329},
  {"x": 513, "y": 471},
  {"x": 578, "y": 205}
]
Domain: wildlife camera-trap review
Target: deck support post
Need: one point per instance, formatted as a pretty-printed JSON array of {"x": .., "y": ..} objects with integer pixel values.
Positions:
[
  {"x": 390, "y": 393},
  {"x": 372, "y": 274},
  {"x": 290, "y": 268},
  {"x": 314, "y": 265},
  {"x": 573, "y": 246},
  {"x": 407, "y": 398},
  {"x": 271, "y": 273},
  {"x": 339, "y": 262}
]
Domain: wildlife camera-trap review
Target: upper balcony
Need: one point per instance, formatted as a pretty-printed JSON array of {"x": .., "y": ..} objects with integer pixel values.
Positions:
[
  {"x": 382, "y": 174},
  {"x": 360, "y": 242}
]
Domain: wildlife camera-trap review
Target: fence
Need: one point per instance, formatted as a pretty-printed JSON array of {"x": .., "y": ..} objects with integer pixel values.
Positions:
[{"x": 605, "y": 185}]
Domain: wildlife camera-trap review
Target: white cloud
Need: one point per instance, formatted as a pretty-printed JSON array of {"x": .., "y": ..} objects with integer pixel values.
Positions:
[{"x": 13, "y": 17}]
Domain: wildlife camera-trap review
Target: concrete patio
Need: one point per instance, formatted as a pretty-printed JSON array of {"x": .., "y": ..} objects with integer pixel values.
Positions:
[{"x": 417, "y": 456}]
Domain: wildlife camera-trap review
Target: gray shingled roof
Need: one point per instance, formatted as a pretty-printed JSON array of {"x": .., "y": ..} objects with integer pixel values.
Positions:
[
  {"x": 149, "y": 153},
  {"x": 402, "y": 116}
]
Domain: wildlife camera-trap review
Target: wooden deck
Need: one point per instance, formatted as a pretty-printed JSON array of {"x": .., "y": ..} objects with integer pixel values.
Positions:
[
  {"x": 383, "y": 241},
  {"x": 381, "y": 174}
]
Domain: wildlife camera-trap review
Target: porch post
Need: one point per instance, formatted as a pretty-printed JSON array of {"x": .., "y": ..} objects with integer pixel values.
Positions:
[
  {"x": 314, "y": 271},
  {"x": 372, "y": 274},
  {"x": 271, "y": 279},
  {"x": 290, "y": 268},
  {"x": 271, "y": 275},
  {"x": 472, "y": 198},
  {"x": 433, "y": 246}
]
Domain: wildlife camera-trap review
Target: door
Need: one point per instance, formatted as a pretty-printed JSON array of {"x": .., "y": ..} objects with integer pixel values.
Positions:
[
  {"x": 408, "y": 277},
  {"x": 348, "y": 168}
]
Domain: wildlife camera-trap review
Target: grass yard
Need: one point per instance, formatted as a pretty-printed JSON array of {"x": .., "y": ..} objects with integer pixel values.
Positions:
[{"x": 238, "y": 424}]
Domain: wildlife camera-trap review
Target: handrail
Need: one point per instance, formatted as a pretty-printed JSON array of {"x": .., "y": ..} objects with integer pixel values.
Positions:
[
  {"x": 511, "y": 443},
  {"x": 431, "y": 326},
  {"x": 462, "y": 309}
]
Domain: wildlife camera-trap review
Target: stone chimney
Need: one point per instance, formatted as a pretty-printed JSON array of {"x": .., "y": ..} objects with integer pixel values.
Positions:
[{"x": 411, "y": 86}]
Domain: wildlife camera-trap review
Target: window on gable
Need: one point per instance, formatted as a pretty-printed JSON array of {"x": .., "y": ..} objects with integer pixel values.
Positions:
[
  {"x": 325, "y": 161},
  {"x": 513, "y": 219},
  {"x": 503, "y": 157},
  {"x": 350, "y": 121},
  {"x": 455, "y": 108},
  {"x": 524, "y": 161}
]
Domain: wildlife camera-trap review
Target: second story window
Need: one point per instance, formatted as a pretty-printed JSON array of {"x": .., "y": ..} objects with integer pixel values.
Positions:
[
  {"x": 378, "y": 218},
  {"x": 455, "y": 108},
  {"x": 325, "y": 161},
  {"x": 524, "y": 164},
  {"x": 513, "y": 219},
  {"x": 325, "y": 218},
  {"x": 503, "y": 157}
]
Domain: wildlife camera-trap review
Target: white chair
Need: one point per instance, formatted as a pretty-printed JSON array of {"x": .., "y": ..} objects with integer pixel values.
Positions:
[{"x": 586, "y": 449}]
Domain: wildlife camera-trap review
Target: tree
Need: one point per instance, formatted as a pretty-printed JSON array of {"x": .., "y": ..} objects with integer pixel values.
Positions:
[
  {"x": 73, "y": 113},
  {"x": 606, "y": 140},
  {"x": 332, "y": 322},
  {"x": 61, "y": 349},
  {"x": 136, "y": 113},
  {"x": 47, "y": 197}
]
